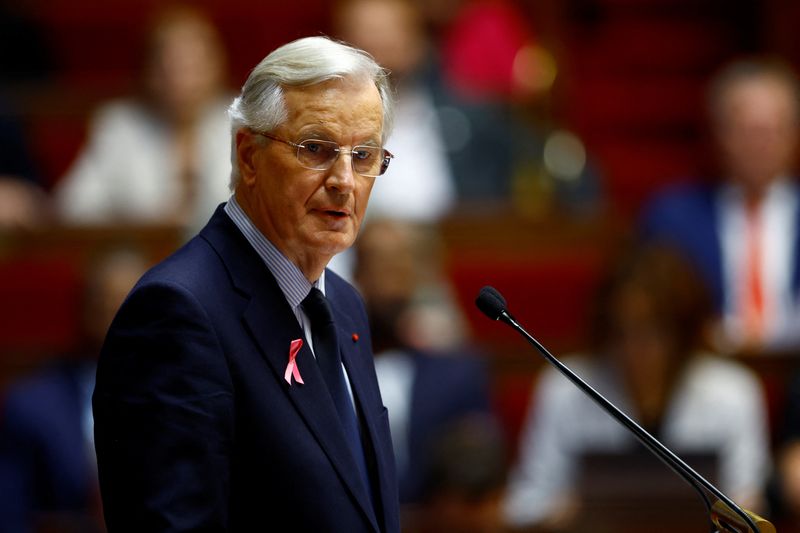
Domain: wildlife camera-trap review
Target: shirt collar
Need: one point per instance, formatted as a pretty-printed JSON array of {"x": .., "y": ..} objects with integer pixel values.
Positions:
[
  {"x": 292, "y": 282},
  {"x": 778, "y": 190}
]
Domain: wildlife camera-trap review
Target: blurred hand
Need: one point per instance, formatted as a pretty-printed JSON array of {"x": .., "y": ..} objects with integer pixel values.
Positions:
[{"x": 22, "y": 205}]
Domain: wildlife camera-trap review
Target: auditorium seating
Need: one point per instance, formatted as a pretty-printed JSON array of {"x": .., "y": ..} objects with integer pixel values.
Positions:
[{"x": 632, "y": 75}]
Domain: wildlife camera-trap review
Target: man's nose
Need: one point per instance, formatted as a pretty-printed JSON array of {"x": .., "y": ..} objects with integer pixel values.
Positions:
[{"x": 341, "y": 176}]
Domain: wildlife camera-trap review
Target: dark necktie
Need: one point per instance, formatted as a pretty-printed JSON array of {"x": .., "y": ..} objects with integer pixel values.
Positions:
[{"x": 326, "y": 350}]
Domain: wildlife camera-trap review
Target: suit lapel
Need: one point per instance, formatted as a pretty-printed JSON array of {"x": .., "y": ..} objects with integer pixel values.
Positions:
[
  {"x": 364, "y": 396},
  {"x": 272, "y": 325},
  {"x": 312, "y": 399}
]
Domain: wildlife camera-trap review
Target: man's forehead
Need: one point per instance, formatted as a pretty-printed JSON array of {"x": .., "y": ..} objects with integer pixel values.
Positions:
[
  {"x": 334, "y": 103},
  {"x": 757, "y": 96}
]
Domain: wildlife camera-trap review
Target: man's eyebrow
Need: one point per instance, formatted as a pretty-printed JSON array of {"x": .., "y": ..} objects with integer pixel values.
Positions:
[
  {"x": 314, "y": 134},
  {"x": 322, "y": 135}
]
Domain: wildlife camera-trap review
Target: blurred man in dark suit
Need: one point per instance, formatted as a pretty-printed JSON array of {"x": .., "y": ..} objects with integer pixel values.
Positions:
[
  {"x": 236, "y": 389},
  {"x": 48, "y": 479}
]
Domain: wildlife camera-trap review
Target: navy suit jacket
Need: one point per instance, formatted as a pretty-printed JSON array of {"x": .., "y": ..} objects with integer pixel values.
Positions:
[
  {"x": 196, "y": 428},
  {"x": 687, "y": 216},
  {"x": 45, "y": 467}
]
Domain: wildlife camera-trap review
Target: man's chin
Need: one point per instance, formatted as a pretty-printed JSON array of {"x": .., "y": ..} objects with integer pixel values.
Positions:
[{"x": 334, "y": 242}]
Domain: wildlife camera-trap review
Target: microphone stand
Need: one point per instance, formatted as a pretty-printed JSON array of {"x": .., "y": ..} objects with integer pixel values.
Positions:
[{"x": 725, "y": 515}]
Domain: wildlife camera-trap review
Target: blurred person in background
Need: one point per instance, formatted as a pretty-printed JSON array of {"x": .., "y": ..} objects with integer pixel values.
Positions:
[
  {"x": 743, "y": 231},
  {"x": 488, "y": 49},
  {"x": 489, "y": 52},
  {"x": 649, "y": 359},
  {"x": 461, "y": 91},
  {"x": 162, "y": 157},
  {"x": 461, "y": 150},
  {"x": 430, "y": 379},
  {"x": 48, "y": 477}
]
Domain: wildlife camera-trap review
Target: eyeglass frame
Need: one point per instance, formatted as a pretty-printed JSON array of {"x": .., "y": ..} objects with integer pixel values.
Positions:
[{"x": 387, "y": 155}]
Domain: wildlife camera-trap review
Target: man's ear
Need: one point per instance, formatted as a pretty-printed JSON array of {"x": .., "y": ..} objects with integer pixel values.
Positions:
[{"x": 246, "y": 150}]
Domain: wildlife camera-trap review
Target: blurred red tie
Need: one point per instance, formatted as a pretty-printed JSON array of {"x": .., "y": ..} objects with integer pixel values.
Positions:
[{"x": 753, "y": 294}]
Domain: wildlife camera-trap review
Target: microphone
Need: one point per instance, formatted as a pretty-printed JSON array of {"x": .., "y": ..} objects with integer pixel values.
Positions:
[
  {"x": 491, "y": 303},
  {"x": 725, "y": 515}
]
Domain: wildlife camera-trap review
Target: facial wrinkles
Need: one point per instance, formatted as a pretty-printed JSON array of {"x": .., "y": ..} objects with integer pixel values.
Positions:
[
  {"x": 347, "y": 114},
  {"x": 324, "y": 117},
  {"x": 356, "y": 121}
]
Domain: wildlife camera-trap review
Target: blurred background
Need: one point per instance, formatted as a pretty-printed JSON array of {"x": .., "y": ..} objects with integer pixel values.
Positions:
[{"x": 534, "y": 142}]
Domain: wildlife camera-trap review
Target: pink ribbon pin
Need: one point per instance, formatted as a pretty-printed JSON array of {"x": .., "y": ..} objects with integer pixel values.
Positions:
[{"x": 291, "y": 369}]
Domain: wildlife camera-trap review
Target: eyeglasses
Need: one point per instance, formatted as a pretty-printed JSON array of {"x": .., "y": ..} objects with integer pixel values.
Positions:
[{"x": 314, "y": 154}]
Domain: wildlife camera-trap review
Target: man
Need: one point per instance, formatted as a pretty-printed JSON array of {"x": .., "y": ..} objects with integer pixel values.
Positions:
[
  {"x": 236, "y": 389},
  {"x": 743, "y": 232}
]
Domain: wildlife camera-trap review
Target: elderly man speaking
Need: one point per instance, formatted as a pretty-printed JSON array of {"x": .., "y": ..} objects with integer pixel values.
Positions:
[{"x": 236, "y": 389}]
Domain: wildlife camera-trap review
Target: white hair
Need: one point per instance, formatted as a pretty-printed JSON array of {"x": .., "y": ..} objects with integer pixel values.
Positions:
[{"x": 303, "y": 62}]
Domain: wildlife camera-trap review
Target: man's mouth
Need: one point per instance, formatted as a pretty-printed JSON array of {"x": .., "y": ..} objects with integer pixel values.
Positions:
[{"x": 335, "y": 213}]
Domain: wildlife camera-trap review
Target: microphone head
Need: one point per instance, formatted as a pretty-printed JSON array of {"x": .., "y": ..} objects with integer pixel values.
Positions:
[{"x": 491, "y": 302}]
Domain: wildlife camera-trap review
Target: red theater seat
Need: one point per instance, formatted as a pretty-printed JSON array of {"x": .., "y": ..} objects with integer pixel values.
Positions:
[{"x": 40, "y": 298}]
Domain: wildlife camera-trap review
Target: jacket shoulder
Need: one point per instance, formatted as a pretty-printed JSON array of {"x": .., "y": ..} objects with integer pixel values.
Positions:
[{"x": 195, "y": 267}]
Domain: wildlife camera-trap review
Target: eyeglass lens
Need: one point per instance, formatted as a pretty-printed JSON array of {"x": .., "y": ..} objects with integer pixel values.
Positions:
[{"x": 320, "y": 155}]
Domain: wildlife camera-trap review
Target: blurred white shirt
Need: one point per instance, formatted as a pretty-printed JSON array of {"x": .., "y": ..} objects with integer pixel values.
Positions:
[
  {"x": 418, "y": 186},
  {"x": 128, "y": 170},
  {"x": 778, "y": 214}
]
